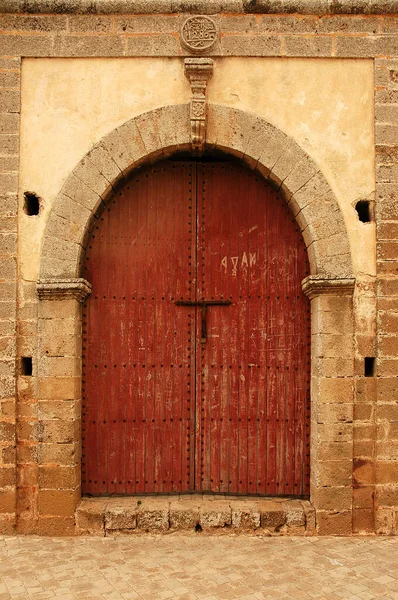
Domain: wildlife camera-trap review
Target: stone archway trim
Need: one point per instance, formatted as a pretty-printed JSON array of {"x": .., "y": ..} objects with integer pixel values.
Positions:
[
  {"x": 61, "y": 290},
  {"x": 163, "y": 131},
  {"x": 64, "y": 289},
  {"x": 313, "y": 286}
]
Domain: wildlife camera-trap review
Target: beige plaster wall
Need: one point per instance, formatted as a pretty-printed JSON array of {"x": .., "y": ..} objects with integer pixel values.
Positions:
[{"x": 326, "y": 105}]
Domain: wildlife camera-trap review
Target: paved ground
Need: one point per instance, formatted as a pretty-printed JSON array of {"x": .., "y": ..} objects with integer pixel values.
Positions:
[{"x": 195, "y": 566}]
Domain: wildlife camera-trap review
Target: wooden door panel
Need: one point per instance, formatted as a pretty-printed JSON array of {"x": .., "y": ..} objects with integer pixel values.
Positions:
[
  {"x": 138, "y": 345},
  {"x": 253, "y": 371}
]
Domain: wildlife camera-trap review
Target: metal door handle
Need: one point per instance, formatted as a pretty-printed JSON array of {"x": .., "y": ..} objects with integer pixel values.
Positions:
[{"x": 203, "y": 304}]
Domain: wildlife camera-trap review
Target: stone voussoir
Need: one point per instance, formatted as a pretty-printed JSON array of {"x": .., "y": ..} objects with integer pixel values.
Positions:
[{"x": 103, "y": 160}]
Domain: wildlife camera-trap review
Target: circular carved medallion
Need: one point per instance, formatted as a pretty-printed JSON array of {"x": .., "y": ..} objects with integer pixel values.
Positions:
[{"x": 199, "y": 33}]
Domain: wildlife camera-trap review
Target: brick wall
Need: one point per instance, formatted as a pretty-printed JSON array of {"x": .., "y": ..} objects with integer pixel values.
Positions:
[{"x": 375, "y": 417}]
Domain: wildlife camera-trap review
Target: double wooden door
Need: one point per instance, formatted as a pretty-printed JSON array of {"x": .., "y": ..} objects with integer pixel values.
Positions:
[{"x": 196, "y": 337}]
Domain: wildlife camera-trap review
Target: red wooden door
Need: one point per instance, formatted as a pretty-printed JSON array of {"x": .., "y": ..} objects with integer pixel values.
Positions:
[{"x": 181, "y": 393}]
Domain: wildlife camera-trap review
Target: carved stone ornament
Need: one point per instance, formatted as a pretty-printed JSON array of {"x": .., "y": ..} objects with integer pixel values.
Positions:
[
  {"x": 198, "y": 71},
  {"x": 199, "y": 33},
  {"x": 63, "y": 289},
  {"x": 316, "y": 285}
]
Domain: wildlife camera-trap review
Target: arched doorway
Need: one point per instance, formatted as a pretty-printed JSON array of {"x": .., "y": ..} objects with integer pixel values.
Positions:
[{"x": 196, "y": 352}]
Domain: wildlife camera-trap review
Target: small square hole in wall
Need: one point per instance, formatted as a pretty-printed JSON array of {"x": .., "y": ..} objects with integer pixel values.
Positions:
[
  {"x": 31, "y": 205},
  {"x": 369, "y": 366},
  {"x": 26, "y": 366},
  {"x": 364, "y": 211}
]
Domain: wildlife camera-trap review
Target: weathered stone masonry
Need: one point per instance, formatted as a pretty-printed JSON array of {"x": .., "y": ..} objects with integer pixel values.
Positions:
[{"x": 354, "y": 450}]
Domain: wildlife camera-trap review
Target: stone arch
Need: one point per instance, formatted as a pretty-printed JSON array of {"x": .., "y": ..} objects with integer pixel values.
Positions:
[
  {"x": 280, "y": 160},
  {"x": 161, "y": 132}
]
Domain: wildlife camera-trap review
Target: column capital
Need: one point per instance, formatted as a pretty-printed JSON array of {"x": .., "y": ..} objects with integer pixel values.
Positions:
[
  {"x": 317, "y": 285},
  {"x": 63, "y": 289}
]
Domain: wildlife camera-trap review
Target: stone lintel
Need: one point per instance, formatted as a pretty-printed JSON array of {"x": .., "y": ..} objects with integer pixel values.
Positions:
[
  {"x": 316, "y": 285},
  {"x": 115, "y": 7},
  {"x": 63, "y": 289}
]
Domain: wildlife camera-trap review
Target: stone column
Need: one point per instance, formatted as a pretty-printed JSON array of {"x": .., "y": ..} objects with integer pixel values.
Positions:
[
  {"x": 59, "y": 403},
  {"x": 332, "y": 397}
]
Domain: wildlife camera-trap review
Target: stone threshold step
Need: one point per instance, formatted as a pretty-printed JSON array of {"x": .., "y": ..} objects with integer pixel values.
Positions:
[{"x": 106, "y": 516}]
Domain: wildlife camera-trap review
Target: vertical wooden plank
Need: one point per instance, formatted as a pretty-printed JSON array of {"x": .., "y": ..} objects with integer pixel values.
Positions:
[
  {"x": 190, "y": 461},
  {"x": 272, "y": 333},
  {"x": 203, "y": 434},
  {"x": 222, "y": 315},
  {"x": 139, "y": 351},
  {"x": 257, "y": 244},
  {"x": 128, "y": 359},
  {"x": 133, "y": 338},
  {"x": 160, "y": 210},
  {"x": 236, "y": 271},
  {"x": 119, "y": 290},
  {"x": 150, "y": 329},
  {"x": 230, "y": 280},
  {"x": 289, "y": 297},
  {"x": 215, "y": 351},
  {"x": 252, "y": 334},
  {"x": 105, "y": 359}
]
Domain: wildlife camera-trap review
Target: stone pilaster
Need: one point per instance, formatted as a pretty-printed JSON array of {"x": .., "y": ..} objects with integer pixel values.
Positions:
[
  {"x": 332, "y": 395},
  {"x": 55, "y": 484}
]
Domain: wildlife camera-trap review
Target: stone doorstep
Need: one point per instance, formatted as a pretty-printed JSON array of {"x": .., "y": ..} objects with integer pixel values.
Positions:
[{"x": 195, "y": 512}]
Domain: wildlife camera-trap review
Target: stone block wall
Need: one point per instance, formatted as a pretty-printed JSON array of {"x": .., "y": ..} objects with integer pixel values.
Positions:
[
  {"x": 386, "y": 409},
  {"x": 332, "y": 415},
  {"x": 9, "y": 150},
  {"x": 355, "y": 424}
]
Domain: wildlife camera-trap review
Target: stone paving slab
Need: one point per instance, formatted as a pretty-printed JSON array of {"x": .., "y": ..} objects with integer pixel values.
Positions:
[{"x": 195, "y": 566}]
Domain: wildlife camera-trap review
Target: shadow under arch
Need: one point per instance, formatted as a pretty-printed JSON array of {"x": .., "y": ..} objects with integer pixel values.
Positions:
[{"x": 162, "y": 132}]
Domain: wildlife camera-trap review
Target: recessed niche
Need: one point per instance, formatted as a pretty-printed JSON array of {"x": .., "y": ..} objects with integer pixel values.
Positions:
[
  {"x": 26, "y": 366},
  {"x": 369, "y": 366},
  {"x": 363, "y": 208},
  {"x": 31, "y": 205}
]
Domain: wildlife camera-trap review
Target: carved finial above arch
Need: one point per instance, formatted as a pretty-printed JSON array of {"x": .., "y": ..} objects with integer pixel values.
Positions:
[
  {"x": 161, "y": 132},
  {"x": 198, "y": 71}
]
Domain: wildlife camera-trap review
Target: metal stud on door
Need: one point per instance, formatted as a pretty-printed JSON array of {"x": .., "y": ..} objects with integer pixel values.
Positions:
[{"x": 196, "y": 345}]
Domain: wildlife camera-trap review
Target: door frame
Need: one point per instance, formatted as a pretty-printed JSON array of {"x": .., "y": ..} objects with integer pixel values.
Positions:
[{"x": 330, "y": 287}]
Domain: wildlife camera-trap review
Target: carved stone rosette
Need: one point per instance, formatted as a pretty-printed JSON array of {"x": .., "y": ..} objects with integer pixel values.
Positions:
[
  {"x": 199, "y": 33},
  {"x": 63, "y": 289},
  {"x": 198, "y": 71}
]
